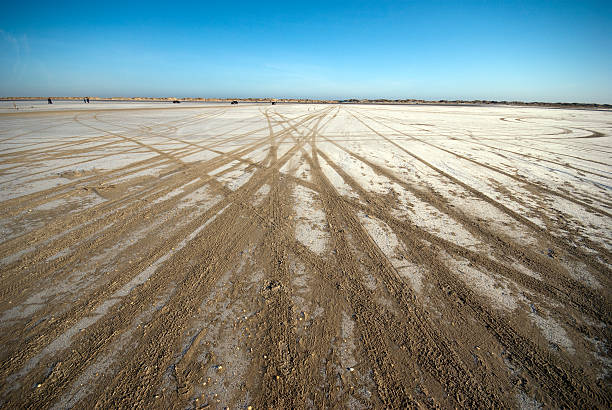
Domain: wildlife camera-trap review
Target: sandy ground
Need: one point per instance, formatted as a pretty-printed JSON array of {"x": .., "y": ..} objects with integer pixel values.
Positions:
[{"x": 304, "y": 256}]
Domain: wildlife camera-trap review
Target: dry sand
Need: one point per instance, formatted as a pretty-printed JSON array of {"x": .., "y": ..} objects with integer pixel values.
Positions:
[{"x": 304, "y": 255}]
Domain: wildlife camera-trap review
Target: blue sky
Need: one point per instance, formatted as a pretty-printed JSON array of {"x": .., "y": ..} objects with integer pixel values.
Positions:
[{"x": 511, "y": 50}]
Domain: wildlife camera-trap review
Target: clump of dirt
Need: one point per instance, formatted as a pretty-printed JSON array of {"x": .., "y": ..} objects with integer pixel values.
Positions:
[{"x": 78, "y": 173}]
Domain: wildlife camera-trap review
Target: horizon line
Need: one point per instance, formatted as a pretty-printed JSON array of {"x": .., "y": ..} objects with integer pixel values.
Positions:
[{"x": 298, "y": 99}]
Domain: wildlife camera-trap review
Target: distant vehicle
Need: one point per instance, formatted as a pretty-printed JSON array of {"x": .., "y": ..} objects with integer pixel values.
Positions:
[
  {"x": 234, "y": 102},
  {"x": 176, "y": 102},
  {"x": 273, "y": 102}
]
